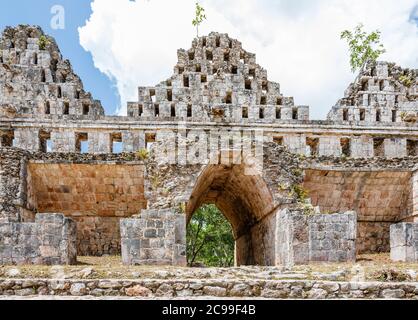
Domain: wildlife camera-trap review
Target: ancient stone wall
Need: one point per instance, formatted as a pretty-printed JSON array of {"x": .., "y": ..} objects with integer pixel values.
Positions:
[
  {"x": 383, "y": 92},
  {"x": 305, "y": 238},
  {"x": 156, "y": 237},
  {"x": 216, "y": 80},
  {"x": 404, "y": 242},
  {"x": 36, "y": 80},
  {"x": 12, "y": 184},
  {"x": 50, "y": 240}
]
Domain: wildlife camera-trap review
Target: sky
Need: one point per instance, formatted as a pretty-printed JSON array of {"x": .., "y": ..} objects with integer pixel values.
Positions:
[{"x": 117, "y": 45}]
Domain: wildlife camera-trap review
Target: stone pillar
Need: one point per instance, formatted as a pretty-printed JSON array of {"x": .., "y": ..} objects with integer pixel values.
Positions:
[
  {"x": 27, "y": 139},
  {"x": 156, "y": 237},
  {"x": 99, "y": 142},
  {"x": 395, "y": 147},
  {"x": 51, "y": 240},
  {"x": 362, "y": 147},
  {"x": 63, "y": 141},
  {"x": 330, "y": 146},
  {"x": 133, "y": 140},
  {"x": 404, "y": 242},
  {"x": 302, "y": 238}
]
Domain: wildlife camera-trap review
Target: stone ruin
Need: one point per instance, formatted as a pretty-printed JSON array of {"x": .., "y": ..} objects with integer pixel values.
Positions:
[{"x": 294, "y": 190}]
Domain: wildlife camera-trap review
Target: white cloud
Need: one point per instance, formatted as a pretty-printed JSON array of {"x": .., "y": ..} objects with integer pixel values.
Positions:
[{"x": 298, "y": 42}]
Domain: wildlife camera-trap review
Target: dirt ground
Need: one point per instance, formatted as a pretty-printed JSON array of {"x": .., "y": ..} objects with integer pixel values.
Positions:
[{"x": 372, "y": 267}]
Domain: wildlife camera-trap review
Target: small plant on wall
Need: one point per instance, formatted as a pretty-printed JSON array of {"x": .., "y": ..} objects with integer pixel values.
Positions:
[
  {"x": 363, "y": 47},
  {"x": 43, "y": 42},
  {"x": 142, "y": 154},
  {"x": 200, "y": 16}
]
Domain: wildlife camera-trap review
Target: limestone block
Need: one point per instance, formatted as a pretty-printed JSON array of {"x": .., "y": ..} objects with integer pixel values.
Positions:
[
  {"x": 155, "y": 237},
  {"x": 404, "y": 242},
  {"x": 301, "y": 238},
  {"x": 50, "y": 240}
]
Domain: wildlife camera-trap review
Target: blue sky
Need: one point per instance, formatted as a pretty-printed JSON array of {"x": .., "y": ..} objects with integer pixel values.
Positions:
[
  {"x": 76, "y": 14},
  {"x": 122, "y": 45}
]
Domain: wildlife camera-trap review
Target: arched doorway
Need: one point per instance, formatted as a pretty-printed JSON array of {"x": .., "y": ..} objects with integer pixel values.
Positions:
[{"x": 246, "y": 202}]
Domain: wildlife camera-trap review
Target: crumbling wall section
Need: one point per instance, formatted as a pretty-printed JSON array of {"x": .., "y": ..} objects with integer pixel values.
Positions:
[
  {"x": 50, "y": 240},
  {"x": 315, "y": 238},
  {"x": 155, "y": 237},
  {"x": 404, "y": 242}
]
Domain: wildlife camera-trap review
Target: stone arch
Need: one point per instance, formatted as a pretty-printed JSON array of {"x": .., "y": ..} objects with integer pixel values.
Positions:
[{"x": 246, "y": 202}]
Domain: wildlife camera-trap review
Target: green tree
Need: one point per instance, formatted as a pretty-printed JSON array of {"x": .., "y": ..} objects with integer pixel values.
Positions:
[
  {"x": 363, "y": 47},
  {"x": 209, "y": 239},
  {"x": 199, "y": 17}
]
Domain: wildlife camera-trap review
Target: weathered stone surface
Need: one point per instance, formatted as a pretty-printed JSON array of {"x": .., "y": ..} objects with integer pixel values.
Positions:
[
  {"x": 348, "y": 162},
  {"x": 305, "y": 238},
  {"x": 404, "y": 242},
  {"x": 270, "y": 289},
  {"x": 51, "y": 239},
  {"x": 155, "y": 237}
]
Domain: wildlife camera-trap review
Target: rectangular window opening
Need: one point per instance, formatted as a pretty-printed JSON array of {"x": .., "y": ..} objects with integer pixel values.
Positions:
[
  {"x": 263, "y": 100},
  {"x": 150, "y": 139},
  {"x": 156, "y": 110},
  {"x": 152, "y": 95},
  {"x": 218, "y": 41},
  {"x": 378, "y": 147},
  {"x": 86, "y": 109},
  {"x": 209, "y": 55},
  {"x": 45, "y": 141},
  {"x": 186, "y": 81},
  {"x": 345, "y": 114},
  {"x": 234, "y": 70},
  {"x": 173, "y": 110},
  {"x": 191, "y": 55},
  {"x": 295, "y": 114},
  {"x": 412, "y": 148},
  {"x": 47, "y": 108},
  {"x": 140, "y": 110},
  {"x": 203, "y": 78},
  {"x": 346, "y": 147},
  {"x": 82, "y": 142},
  {"x": 312, "y": 144},
  {"x": 226, "y": 56},
  {"x": 362, "y": 114},
  {"x": 247, "y": 84},
  {"x": 66, "y": 109},
  {"x": 378, "y": 115},
  {"x": 278, "y": 113},
  {"x": 116, "y": 142},
  {"x": 228, "y": 98},
  {"x": 261, "y": 113},
  {"x": 278, "y": 140},
  {"x": 43, "y": 77},
  {"x": 245, "y": 112},
  {"x": 170, "y": 95},
  {"x": 394, "y": 115},
  {"x": 252, "y": 73},
  {"x": 189, "y": 111},
  {"x": 198, "y": 68}
]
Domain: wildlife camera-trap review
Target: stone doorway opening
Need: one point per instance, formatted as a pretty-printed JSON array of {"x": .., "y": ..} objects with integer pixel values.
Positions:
[
  {"x": 246, "y": 202},
  {"x": 95, "y": 195},
  {"x": 210, "y": 240}
]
